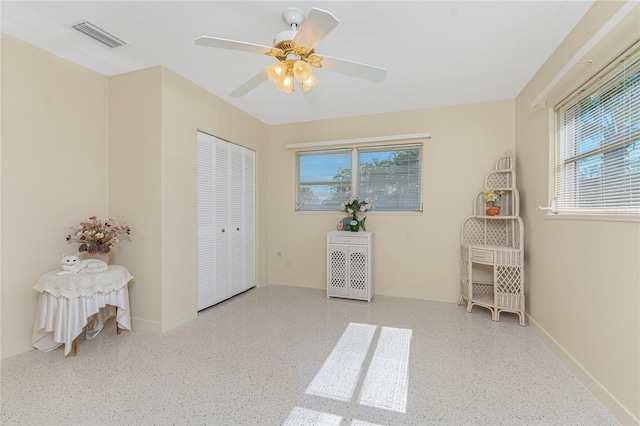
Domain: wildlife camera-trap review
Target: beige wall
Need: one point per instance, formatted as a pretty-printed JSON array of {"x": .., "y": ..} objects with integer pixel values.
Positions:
[
  {"x": 188, "y": 108},
  {"x": 55, "y": 171},
  {"x": 75, "y": 143},
  {"x": 135, "y": 186},
  {"x": 155, "y": 116},
  {"x": 583, "y": 276},
  {"x": 415, "y": 255}
]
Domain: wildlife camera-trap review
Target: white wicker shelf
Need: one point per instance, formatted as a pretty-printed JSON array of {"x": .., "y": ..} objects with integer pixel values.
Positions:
[
  {"x": 485, "y": 300},
  {"x": 497, "y": 243},
  {"x": 484, "y": 216}
]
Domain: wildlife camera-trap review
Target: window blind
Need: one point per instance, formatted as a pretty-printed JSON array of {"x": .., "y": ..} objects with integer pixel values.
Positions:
[
  {"x": 324, "y": 179},
  {"x": 597, "y": 166},
  {"x": 390, "y": 177}
]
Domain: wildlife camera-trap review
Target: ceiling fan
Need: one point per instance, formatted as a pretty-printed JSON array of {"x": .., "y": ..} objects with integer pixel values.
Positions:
[{"x": 294, "y": 50}]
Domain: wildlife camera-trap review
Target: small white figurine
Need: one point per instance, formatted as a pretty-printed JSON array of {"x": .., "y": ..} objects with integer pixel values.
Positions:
[{"x": 71, "y": 264}]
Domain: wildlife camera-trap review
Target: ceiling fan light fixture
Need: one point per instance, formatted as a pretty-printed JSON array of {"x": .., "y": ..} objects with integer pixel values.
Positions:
[
  {"x": 294, "y": 50},
  {"x": 276, "y": 71},
  {"x": 301, "y": 70},
  {"x": 303, "y": 73},
  {"x": 309, "y": 83},
  {"x": 281, "y": 73},
  {"x": 287, "y": 84}
]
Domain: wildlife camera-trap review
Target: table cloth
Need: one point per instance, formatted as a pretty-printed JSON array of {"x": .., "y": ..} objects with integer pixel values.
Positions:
[{"x": 69, "y": 303}]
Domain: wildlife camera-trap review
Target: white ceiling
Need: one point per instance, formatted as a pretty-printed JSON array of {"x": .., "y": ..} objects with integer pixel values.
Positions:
[{"x": 436, "y": 53}]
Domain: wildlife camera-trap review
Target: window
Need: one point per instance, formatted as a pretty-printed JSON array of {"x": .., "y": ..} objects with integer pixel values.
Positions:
[
  {"x": 597, "y": 166},
  {"x": 389, "y": 176},
  {"x": 323, "y": 179}
]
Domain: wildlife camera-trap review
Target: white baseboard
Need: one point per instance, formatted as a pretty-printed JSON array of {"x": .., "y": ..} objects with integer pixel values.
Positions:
[
  {"x": 161, "y": 327},
  {"x": 144, "y": 324},
  {"x": 612, "y": 403},
  {"x": 15, "y": 348},
  {"x": 177, "y": 320}
]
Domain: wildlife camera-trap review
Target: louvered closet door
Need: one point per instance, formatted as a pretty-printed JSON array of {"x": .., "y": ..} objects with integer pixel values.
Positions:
[
  {"x": 226, "y": 220},
  {"x": 205, "y": 218},
  {"x": 222, "y": 232},
  {"x": 237, "y": 220}
]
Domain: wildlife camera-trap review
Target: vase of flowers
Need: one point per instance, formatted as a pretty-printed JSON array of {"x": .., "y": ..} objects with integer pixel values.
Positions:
[
  {"x": 97, "y": 237},
  {"x": 353, "y": 207},
  {"x": 491, "y": 198}
]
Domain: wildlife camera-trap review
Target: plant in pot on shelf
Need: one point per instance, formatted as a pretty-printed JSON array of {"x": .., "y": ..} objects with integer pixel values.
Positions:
[
  {"x": 492, "y": 197},
  {"x": 97, "y": 237},
  {"x": 353, "y": 207}
]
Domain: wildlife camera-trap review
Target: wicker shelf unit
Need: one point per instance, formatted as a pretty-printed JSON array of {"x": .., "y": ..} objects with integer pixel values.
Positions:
[{"x": 492, "y": 249}]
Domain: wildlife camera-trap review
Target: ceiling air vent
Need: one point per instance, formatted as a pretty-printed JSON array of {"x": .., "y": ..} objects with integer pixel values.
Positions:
[{"x": 92, "y": 30}]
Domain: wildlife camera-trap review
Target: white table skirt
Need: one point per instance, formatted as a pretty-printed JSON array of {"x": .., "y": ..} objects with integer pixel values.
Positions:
[{"x": 61, "y": 319}]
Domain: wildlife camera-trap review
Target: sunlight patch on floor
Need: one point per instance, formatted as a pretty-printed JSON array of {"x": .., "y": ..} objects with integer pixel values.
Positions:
[
  {"x": 356, "y": 422},
  {"x": 304, "y": 416},
  {"x": 387, "y": 381},
  {"x": 338, "y": 377}
]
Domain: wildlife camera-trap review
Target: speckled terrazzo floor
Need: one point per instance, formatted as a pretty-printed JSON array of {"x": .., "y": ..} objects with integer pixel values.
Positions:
[{"x": 250, "y": 360}]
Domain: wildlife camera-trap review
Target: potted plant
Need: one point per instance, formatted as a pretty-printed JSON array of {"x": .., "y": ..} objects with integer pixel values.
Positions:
[
  {"x": 97, "y": 237},
  {"x": 492, "y": 197},
  {"x": 353, "y": 207}
]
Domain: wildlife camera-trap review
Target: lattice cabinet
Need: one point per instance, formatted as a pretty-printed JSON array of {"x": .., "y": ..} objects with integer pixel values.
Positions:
[
  {"x": 349, "y": 265},
  {"x": 492, "y": 249}
]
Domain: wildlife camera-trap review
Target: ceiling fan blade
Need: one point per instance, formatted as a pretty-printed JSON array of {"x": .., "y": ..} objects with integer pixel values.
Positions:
[
  {"x": 354, "y": 69},
  {"x": 315, "y": 27},
  {"x": 223, "y": 43},
  {"x": 249, "y": 85}
]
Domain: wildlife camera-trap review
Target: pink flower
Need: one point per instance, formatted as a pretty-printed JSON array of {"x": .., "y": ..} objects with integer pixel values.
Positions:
[{"x": 100, "y": 233}]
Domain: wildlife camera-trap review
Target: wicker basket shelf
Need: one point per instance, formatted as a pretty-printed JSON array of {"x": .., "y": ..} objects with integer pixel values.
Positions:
[{"x": 495, "y": 242}]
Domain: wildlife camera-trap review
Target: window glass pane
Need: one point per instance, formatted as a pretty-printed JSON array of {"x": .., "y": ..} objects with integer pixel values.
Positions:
[
  {"x": 324, "y": 180},
  {"x": 391, "y": 178}
]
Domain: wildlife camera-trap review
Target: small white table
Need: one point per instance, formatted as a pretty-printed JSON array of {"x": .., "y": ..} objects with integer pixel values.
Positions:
[{"x": 69, "y": 303}]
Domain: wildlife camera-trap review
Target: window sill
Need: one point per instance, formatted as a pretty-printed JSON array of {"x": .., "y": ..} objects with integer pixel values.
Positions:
[
  {"x": 594, "y": 217},
  {"x": 374, "y": 213}
]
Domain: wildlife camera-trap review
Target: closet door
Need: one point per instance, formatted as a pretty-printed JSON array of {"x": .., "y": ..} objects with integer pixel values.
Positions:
[
  {"x": 226, "y": 220},
  {"x": 222, "y": 231},
  {"x": 205, "y": 218},
  {"x": 236, "y": 203}
]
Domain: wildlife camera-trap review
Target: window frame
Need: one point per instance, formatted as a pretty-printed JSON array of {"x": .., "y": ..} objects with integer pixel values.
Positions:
[
  {"x": 299, "y": 154},
  {"x": 570, "y": 199},
  {"x": 374, "y": 149},
  {"x": 355, "y": 173}
]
